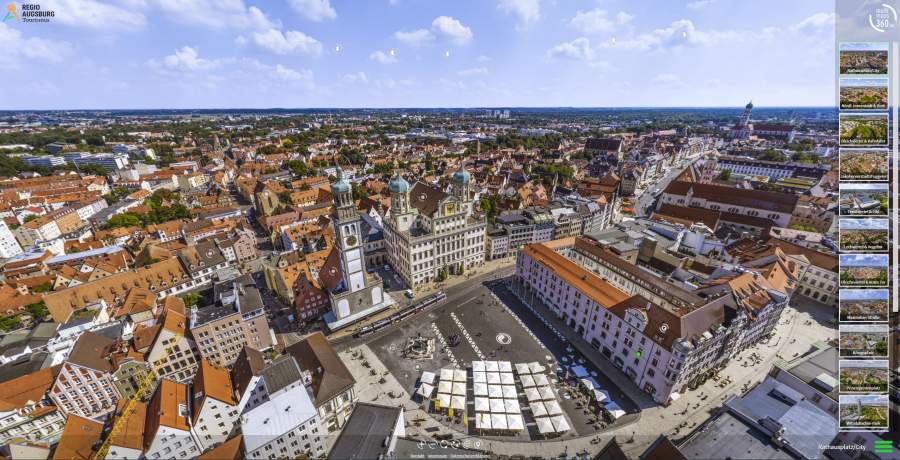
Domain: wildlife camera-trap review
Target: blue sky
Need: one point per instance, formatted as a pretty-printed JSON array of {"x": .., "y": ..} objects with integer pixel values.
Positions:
[{"x": 419, "y": 53}]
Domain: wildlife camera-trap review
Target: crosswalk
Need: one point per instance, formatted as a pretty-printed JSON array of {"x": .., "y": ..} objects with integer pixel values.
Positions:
[
  {"x": 467, "y": 336},
  {"x": 440, "y": 337}
]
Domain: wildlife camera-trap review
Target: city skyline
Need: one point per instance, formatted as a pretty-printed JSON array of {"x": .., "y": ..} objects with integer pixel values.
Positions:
[{"x": 132, "y": 54}]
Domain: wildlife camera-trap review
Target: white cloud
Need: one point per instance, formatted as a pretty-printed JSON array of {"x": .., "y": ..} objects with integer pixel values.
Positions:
[
  {"x": 698, "y": 4},
  {"x": 473, "y": 71},
  {"x": 623, "y": 17},
  {"x": 14, "y": 45},
  {"x": 390, "y": 83},
  {"x": 667, "y": 79},
  {"x": 527, "y": 11},
  {"x": 217, "y": 14},
  {"x": 382, "y": 57},
  {"x": 292, "y": 42},
  {"x": 415, "y": 38},
  {"x": 451, "y": 28},
  {"x": 578, "y": 49},
  {"x": 595, "y": 21},
  {"x": 187, "y": 59},
  {"x": 679, "y": 33},
  {"x": 483, "y": 58},
  {"x": 314, "y": 10},
  {"x": 815, "y": 22},
  {"x": 94, "y": 15},
  {"x": 358, "y": 77}
]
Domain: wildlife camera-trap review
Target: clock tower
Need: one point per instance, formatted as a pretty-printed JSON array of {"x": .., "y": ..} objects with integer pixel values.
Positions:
[{"x": 359, "y": 294}]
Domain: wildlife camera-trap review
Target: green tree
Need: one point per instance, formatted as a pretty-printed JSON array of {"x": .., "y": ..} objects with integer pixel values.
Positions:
[
  {"x": 285, "y": 197},
  {"x": 191, "y": 299},
  {"x": 126, "y": 219},
  {"x": 773, "y": 155},
  {"x": 359, "y": 192},
  {"x": 38, "y": 310},
  {"x": 725, "y": 175}
]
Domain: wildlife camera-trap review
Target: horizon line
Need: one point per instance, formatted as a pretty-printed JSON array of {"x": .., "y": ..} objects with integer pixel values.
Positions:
[{"x": 422, "y": 108}]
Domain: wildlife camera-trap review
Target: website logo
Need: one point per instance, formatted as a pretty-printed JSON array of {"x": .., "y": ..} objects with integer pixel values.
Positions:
[
  {"x": 11, "y": 13},
  {"x": 883, "y": 447}
]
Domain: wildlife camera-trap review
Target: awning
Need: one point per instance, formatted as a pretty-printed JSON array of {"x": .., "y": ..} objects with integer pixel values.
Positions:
[
  {"x": 498, "y": 422},
  {"x": 544, "y": 425},
  {"x": 515, "y": 422},
  {"x": 579, "y": 371},
  {"x": 425, "y": 390},
  {"x": 509, "y": 391},
  {"x": 511, "y": 406},
  {"x": 459, "y": 388},
  {"x": 553, "y": 407},
  {"x": 427, "y": 377},
  {"x": 560, "y": 424},
  {"x": 527, "y": 380},
  {"x": 458, "y": 402},
  {"x": 497, "y": 406},
  {"x": 547, "y": 393},
  {"x": 480, "y": 389},
  {"x": 538, "y": 409},
  {"x": 522, "y": 369}
]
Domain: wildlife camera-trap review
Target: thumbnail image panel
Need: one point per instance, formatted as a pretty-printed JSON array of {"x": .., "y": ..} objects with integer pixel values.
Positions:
[
  {"x": 860, "y": 199},
  {"x": 863, "y": 129},
  {"x": 863, "y": 340},
  {"x": 863, "y": 164},
  {"x": 863, "y": 375},
  {"x": 864, "y": 93},
  {"x": 863, "y": 304},
  {"x": 863, "y": 234},
  {"x": 865, "y": 270},
  {"x": 866, "y": 412},
  {"x": 863, "y": 58}
]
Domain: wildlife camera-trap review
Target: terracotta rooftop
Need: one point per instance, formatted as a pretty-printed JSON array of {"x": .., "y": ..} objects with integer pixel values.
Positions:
[
  {"x": 78, "y": 439},
  {"x": 573, "y": 274},
  {"x": 131, "y": 433},
  {"x": 33, "y": 387}
]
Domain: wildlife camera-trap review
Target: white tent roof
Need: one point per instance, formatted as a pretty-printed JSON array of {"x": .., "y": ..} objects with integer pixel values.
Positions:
[
  {"x": 446, "y": 374},
  {"x": 497, "y": 406},
  {"x": 505, "y": 366},
  {"x": 522, "y": 368},
  {"x": 483, "y": 421},
  {"x": 443, "y": 399},
  {"x": 493, "y": 378},
  {"x": 459, "y": 375},
  {"x": 445, "y": 386},
  {"x": 515, "y": 422},
  {"x": 427, "y": 377},
  {"x": 459, "y": 388},
  {"x": 458, "y": 402},
  {"x": 532, "y": 394},
  {"x": 491, "y": 366},
  {"x": 511, "y": 406},
  {"x": 495, "y": 391},
  {"x": 480, "y": 389},
  {"x": 477, "y": 366},
  {"x": 482, "y": 405},
  {"x": 527, "y": 380},
  {"x": 544, "y": 425},
  {"x": 541, "y": 380},
  {"x": 535, "y": 367},
  {"x": 538, "y": 409},
  {"x": 587, "y": 384},
  {"x": 547, "y": 393},
  {"x": 498, "y": 421},
  {"x": 506, "y": 378},
  {"x": 614, "y": 410},
  {"x": 560, "y": 424},
  {"x": 509, "y": 391},
  {"x": 479, "y": 377},
  {"x": 425, "y": 390},
  {"x": 553, "y": 407},
  {"x": 601, "y": 395}
]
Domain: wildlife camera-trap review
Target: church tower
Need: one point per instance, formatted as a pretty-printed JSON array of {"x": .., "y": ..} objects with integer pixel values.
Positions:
[{"x": 347, "y": 234}]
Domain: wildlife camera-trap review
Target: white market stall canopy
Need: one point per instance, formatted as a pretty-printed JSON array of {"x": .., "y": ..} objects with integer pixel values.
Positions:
[
  {"x": 560, "y": 424},
  {"x": 427, "y": 377},
  {"x": 544, "y": 425},
  {"x": 480, "y": 389},
  {"x": 425, "y": 390},
  {"x": 527, "y": 381},
  {"x": 509, "y": 391}
]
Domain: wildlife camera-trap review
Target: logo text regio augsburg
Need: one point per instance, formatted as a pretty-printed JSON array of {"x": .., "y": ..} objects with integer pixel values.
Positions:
[{"x": 28, "y": 12}]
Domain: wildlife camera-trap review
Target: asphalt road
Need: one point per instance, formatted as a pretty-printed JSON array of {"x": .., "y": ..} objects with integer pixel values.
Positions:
[{"x": 647, "y": 200}]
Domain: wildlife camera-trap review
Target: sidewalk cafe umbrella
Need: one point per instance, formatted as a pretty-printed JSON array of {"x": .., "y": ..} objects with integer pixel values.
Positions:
[
  {"x": 427, "y": 377},
  {"x": 547, "y": 393},
  {"x": 504, "y": 366},
  {"x": 446, "y": 374},
  {"x": 491, "y": 366},
  {"x": 480, "y": 389},
  {"x": 527, "y": 381},
  {"x": 538, "y": 409},
  {"x": 483, "y": 421},
  {"x": 458, "y": 402},
  {"x": 495, "y": 391},
  {"x": 511, "y": 406},
  {"x": 560, "y": 424},
  {"x": 497, "y": 406},
  {"x": 541, "y": 380},
  {"x": 479, "y": 377},
  {"x": 515, "y": 422},
  {"x": 553, "y": 407},
  {"x": 443, "y": 400},
  {"x": 493, "y": 378},
  {"x": 522, "y": 369},
  {"x": 506, "y": 378},
  {"x": 532, "y": 394},
  {"x": 445, "y": 386},
  {"x": 459, "y": 375},
  {"x": 482, "y": 405},
  {"x": 498, "y": 421},
  {"x": 544, "y": 425},
  {"x": 477, "y": 366},
  {"x": 459, "y": 388},
  {"x": 425, "y": 390}
]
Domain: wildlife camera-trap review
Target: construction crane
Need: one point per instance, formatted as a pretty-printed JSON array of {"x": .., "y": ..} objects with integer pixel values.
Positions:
[{"x": 145, "y": 384}]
